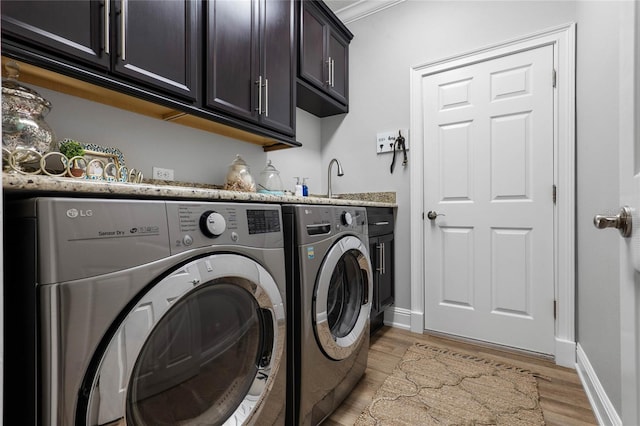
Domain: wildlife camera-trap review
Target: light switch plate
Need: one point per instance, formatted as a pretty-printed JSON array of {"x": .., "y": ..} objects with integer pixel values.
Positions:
[{"x": 385, "y": 141}]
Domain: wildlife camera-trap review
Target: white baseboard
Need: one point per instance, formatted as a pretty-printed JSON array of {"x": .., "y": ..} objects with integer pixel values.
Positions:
[
  {"x": 600, "y": 402},
  {"x": 565, "y": 350},
  {"x": 565, "y": 354},
  {"x": 398, "y": 318}
]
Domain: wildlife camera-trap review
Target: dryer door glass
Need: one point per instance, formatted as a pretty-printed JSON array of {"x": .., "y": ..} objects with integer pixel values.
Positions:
[
  {"x": 201, "y": 346},
  {"x": 200, "y": 361}
]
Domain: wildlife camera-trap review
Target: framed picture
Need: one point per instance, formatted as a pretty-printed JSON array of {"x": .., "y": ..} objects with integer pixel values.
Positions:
[
  {"x": 103, "y": 162},
  {"x": 104, "y": 153}
]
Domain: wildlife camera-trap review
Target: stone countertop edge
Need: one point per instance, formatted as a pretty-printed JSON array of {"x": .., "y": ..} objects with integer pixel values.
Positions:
[{"x": 64, "y": 186}]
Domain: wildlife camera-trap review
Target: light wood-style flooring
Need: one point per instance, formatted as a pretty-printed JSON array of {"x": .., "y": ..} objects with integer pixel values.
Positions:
[{"x": 562, "y": 397}]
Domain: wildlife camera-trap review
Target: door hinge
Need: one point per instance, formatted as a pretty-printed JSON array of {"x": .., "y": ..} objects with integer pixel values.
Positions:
[
  {"x": 554, "y": 77},
  {"x": 555, "y": 310},
  {"x": 555, "y": 194}
]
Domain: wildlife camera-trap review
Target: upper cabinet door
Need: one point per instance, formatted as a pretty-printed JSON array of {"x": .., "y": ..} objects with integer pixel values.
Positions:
[
  {"x": 323, "y": 61},
  {"x": 279, "y": 65},
  {"x": 314, "y": 65},
  {"x": 338, "y": 58},
  {"x": 76, "y": 29},
  {"x": 232, "y": 57},
  {"x": 158, "y": 44},
  {"x": 250, "y": 61}
]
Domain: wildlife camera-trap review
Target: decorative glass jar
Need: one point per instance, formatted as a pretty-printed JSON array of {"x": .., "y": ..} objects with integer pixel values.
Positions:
[
  {"x": 270, "y": 182},
  {"x": 23, "y": 112},
  {"x": 239, "y": 177}
]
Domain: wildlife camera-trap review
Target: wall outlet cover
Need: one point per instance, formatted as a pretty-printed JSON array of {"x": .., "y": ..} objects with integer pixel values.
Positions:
[{"x": 162, "y": 173}]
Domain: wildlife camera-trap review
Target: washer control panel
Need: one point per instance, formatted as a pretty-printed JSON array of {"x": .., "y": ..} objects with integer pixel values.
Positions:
[
  {"x": 350, "y": 218},
  {"x": 193, "y": 225},
  {"x": 316, "y": 222}
]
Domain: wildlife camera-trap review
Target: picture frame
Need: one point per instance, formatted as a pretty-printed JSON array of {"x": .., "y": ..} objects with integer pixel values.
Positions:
[{"x": 103, "y": 162}]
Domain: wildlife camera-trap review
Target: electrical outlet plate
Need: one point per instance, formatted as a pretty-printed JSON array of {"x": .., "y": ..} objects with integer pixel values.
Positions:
[
  {"x": 385, "y": 141},
  {"x": 162, "y": 173}
]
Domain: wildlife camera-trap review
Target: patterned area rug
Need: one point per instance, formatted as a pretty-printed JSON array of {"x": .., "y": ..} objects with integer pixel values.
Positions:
[{"x": 435, "y": 386}]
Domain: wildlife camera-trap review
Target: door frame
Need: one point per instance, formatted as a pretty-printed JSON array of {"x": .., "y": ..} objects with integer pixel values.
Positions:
[{"x": 563, "y": 39}]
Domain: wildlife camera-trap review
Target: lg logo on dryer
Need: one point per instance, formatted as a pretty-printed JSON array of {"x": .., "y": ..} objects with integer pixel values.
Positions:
[{"x": 73, "y": 213}]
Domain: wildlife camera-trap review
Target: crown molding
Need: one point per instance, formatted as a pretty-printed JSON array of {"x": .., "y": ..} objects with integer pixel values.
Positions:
[{"x": 364, "y": 8}]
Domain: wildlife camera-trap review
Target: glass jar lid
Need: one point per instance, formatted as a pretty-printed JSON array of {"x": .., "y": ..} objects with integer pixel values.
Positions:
[{"x": 32, "y": 102}]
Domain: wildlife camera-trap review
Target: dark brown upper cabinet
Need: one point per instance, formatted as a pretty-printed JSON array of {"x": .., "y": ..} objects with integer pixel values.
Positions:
[
  {"x": 152, "y": 42},
  {"x": 72, "y": 28},
  {"x": 223, "y": 66},
  {"x": 323, "y": 61},
  {"x": 250, "y": 49},
  {"x": 157, "y": 42}
]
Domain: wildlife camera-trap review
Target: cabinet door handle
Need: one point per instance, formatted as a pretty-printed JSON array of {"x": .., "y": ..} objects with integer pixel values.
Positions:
[
  {"x": 329, "y": 71},
  {"x": 266, "y": 97},
  {"x": 382, "y": 262},
  {"x": 123, "y": 21},
  {"x": 107, "y": 10},
  {"x": 333, "y": 73},
  {"x": 380, "y": 267},
  {"x": 385, "y": 222},
  {"x": 259, "y": 83}
]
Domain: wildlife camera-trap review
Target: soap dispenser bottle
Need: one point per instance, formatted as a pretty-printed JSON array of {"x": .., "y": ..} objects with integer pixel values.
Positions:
[
  {"x": 298, "y": 187},
  {"x": 305, "y": 188}
]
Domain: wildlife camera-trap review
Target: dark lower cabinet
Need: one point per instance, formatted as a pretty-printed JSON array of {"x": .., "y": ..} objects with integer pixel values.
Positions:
[
  {"x": 382, "y": 254},
  {"x": 251, "y": 61}
]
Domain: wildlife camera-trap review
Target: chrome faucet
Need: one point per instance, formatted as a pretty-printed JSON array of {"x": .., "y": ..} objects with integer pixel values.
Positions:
[{"x": 340, "y": 173}]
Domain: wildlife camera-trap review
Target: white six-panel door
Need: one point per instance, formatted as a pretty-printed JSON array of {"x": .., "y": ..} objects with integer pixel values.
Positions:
[{"x": 488, "y": 174}]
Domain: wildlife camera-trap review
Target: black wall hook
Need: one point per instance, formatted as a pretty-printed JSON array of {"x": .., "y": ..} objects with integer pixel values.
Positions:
[{"x": 399, "y": 144}]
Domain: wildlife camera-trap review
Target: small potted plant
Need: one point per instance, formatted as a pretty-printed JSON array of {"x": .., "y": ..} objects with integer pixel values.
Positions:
[{"x": 74, "y": 153}]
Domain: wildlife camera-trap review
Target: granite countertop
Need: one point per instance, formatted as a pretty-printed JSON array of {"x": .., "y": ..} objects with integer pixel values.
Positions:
[{"x": 16, "y": 183}]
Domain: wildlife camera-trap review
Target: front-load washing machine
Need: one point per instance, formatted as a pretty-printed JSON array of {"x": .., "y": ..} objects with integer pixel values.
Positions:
[
  {"x": 329, "y": 289},
  {"x": 134, "y": 312}
]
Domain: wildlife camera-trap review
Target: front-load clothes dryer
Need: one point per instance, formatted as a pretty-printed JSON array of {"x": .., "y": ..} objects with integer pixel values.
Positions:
[
  {"x": 329, "y": 289},
  {"x": 134, "y": 312}
]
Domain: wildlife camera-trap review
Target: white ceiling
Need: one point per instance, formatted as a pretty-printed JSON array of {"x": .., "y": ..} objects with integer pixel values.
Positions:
[{"x": 352, "y": 10}]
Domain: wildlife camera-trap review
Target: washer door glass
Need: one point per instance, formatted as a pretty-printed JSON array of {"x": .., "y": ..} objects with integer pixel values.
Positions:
[
  {"x": 342, "y": 303},
  {"x": 202, "y": 346},
  {"x": 345, "y": 294}
]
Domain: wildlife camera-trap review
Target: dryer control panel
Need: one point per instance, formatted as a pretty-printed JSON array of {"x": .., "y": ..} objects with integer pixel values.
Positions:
[{"x": 193, "y": 225}]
